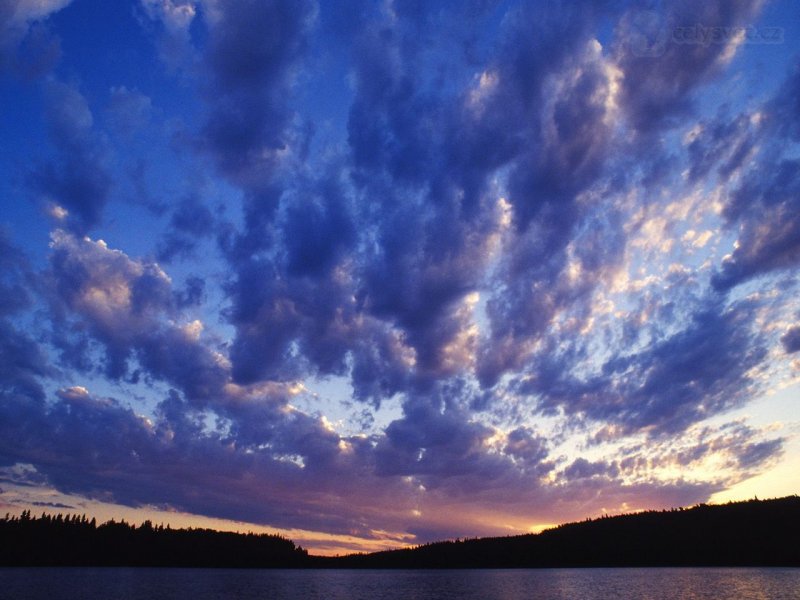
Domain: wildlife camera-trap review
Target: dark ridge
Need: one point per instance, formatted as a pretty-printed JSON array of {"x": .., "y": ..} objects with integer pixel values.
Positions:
[
  {"x": 77, "y": 541},
  {"x": 750, "y": 533}
]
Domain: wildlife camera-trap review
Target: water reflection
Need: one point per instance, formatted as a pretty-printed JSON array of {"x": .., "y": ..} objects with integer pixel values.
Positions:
[{"x": 527, "y": 584}]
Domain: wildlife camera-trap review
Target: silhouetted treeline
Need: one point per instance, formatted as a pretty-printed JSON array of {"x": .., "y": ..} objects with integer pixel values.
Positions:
[
  {"x": 752, "y": 533},
  {"x": 77, "y": 541}
]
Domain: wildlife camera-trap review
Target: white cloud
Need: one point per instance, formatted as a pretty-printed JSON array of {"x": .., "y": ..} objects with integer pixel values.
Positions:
[
  {"x": 28, "y": 11},
  {"x": 176, "y": 16},
  {"x": 17, "y": 16}
]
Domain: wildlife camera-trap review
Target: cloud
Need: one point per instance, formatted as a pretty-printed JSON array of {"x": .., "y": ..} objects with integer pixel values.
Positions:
[
  {"x": 668, "y": 385},
  {"x": 15, "y": 275},
  {"x": 174, "y": 38},
  {"x": 77, "y": 179},
  {"x": 20, "y": 12},
  {"x": 129, "y": 307},
  {"x": 94, "y": 446},
  {"x": 581, "y": 468},
  {"x": 426, "y": 247},
  {"x": 724, "y": 143},
  {"x": 432, "y": 159},
  {"x": 191, "y": 222},
  {"x": 506, "y": 242},
  {"x": 23, "y": 361},
  {"x": 177, "y": 16},
  {"x": 662, "y": 69},
  {"x": 128, "y": 110},
  {"x": 782, "y": 109},
  {"x": 386, "y": 284},
  {"x": 769, "y": 239},
  {"x": 251, "y": 60},
  {"x": 434, "y": 439},
  {"x": 690, "y": 375},
  {"x": 791, "y": 339},
  {"x": 767, "y": 199},
  {"x": 26, "y": 45}
]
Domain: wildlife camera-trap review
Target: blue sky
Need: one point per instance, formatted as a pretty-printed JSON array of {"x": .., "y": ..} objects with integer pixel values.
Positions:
[{"x": 378, "y": 273}]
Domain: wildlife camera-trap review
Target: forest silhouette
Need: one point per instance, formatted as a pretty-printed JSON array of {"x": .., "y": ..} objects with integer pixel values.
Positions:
[
  {"x": 750, "y": 533},
  {"x": 72, "y": 540}
]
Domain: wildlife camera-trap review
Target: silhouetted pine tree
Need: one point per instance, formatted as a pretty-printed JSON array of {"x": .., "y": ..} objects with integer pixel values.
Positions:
[{"x": 74, "y": 540}]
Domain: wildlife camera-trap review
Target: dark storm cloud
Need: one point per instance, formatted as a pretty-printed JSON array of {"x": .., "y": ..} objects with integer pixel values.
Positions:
[{"x": 77, "y": 178}]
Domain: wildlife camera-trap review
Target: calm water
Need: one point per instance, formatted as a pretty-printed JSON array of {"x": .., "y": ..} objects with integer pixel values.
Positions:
[{"x": 555, "y": 584}]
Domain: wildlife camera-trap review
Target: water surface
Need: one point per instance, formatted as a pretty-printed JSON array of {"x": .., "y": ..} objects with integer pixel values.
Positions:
[{"x": 311, "y": 584}]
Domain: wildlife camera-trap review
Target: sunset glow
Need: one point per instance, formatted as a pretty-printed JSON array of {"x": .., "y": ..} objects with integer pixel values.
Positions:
[{"x": 376, "y": 273}]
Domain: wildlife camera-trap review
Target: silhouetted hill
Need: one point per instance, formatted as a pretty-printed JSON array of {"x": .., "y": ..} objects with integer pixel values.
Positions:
[
  {"x": 752, "y": 533},
  {"x": 76, "y": 541}
]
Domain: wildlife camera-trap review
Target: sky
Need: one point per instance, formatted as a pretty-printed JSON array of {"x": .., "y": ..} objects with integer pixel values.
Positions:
[{"x": 376, "y": 273}]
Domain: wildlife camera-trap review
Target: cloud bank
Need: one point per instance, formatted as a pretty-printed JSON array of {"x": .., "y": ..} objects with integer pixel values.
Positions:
[{"x": 532, "y": 261}]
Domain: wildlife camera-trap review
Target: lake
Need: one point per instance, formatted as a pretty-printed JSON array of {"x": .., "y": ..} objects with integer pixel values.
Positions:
[{"x": 311, "y": 584}]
